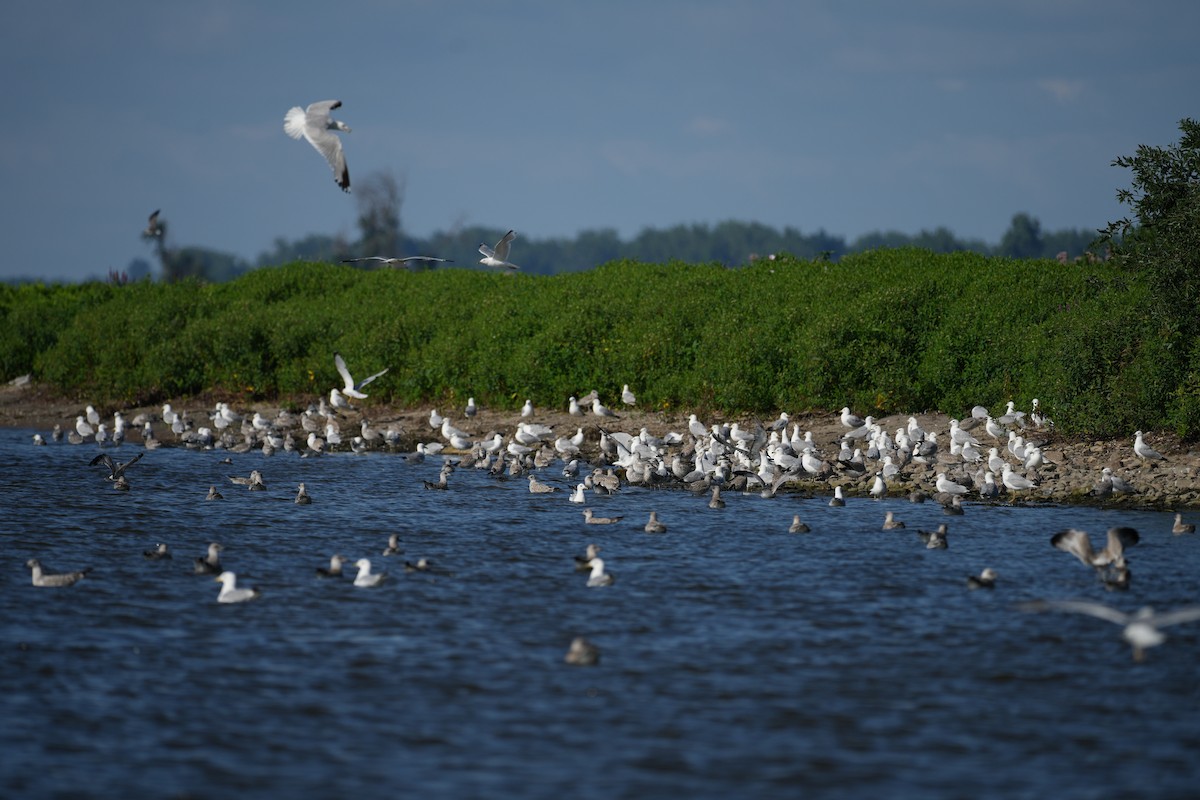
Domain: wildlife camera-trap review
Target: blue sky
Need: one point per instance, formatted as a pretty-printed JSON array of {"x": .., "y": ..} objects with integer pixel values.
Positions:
[{"x": 557, "y": 117}]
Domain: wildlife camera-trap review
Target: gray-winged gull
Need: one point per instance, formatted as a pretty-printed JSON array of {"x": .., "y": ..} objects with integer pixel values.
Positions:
[
  {"x": 54, "y": 579},
  {"x": 1141, "y": 628},
  {"x": 365, "y": 577},
  {"x": 498, "y": 256},
  {"x": 230, "y": 593},
  {"x": 314, "y": 124}
]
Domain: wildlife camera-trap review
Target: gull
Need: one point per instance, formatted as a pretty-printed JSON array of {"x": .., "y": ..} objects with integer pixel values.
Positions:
[
  {"x": 393, "y": 546},
  {"x": 230, "y": 593},
  {"x": 582, "y": 653},
  {"x": 879, "y": 487},
  {"x": 947, "y": 486},
  {"x": 351, "y": 389},
  {"x": 435, "y": 419},
  {"x": 471, "y": 410},
  {"x": 838, "y": 500},
  {"x": 93, "y": 416},
  {"x": 984, "y": 580},
  {"x": 577, "y": 495},
  {"x": 1077, "y": 543},
  {"x": 211, "y": 563},
  {"x": 653, "y": 525},
  {"x": 527, "y": 409},
  {"x": 573, "y": 407},
  {"x": 314, "y": 124},
  {"x": 83, "y": 427},
  {"x": 601, "y": 410},
  {"x": 599, "y": 577},
  {"x": 335, "y": 567},
  {"x": 935, "y": 540},
  {"x": 1012, "y": 417},
  {"x": 365, "y": 577},
  {"x": 1141, "y": 629},
  {"x": 538, "y": 487},
  {"x": 851, "y": 420},
  {"x": 38, "y": 440},
  {"x": 583, "y": 563},
  {"x": 592, "y": 519},
  {"x": 421, "y": 565},
  {"x": 1013, "y": 481},
  {"x": 401, "y": 262},
  {"x": 890, "y": 523},
  {"x": 159, "y": 553},
  {"x": 52, "y": 580},
  {"x": 797, "y": 526},
  {"x": 116, "y": 469},
  {"x": 213, "y": 494},
  {"x": 1182, "y": 527},
  {"x": 1144, "y": 451},
  {"x": 627, "y": 397},
  {"x": 715, "y": 501},
  {"x": 254, "y": 482},
  {"x": 302, "y": 498},
  {"x": 153, "y": 228},
  {"x": 498, "y": 256}
]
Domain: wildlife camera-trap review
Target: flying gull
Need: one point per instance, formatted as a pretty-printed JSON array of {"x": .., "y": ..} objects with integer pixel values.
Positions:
[
  {"x": 401, "y": 262},
  {"x": 351, "y": 389},
  {"x": 1141, "y": 628},
  {"x": 315, "y": 124},
  {"x": 498, "y": 256}
]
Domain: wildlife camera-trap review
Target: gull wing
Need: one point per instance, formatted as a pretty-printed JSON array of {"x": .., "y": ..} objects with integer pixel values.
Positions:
[
  {"x": 340, "y": 363},
  {"x": 502, "y": 246},
  {"x": 1176, "y": 617},
  {"x": 330, "y": 146},
  {"x": 365, "y": 381},
  {"x": 487, "y": 251},
  {"x": 1076, "y": 543}
]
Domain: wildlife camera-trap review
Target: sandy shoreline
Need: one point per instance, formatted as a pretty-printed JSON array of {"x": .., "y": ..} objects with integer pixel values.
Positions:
[{"x": 1073, "y": 466}]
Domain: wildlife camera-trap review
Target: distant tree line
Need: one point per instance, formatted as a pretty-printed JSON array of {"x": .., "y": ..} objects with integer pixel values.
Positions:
[{"x": 380, "y": 199}]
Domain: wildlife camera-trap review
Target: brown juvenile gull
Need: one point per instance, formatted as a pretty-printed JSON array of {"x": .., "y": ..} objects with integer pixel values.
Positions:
[
  {"x": 314, "y": 124},
  {"x": 582, "y": 653},
  {"x": 41, "y": 578},
  {"x": 1141, "y": 628},
  {"x": 890, "y": 523},
  {"x": 254, "y": 482},
  {"x": 116, "y": 469},
  {"x": 1182, "y": 527},
  {"x": 935, "y": 540},
  {"x": 302, "y": 497},
  {"x": 653, "y": 525},
  {"x": 591, "y": 519}
]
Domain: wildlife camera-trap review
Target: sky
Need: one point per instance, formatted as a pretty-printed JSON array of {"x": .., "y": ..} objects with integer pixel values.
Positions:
[{"x": 557, "y": 117}]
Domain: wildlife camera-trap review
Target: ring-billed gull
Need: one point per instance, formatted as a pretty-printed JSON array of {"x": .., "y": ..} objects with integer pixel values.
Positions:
[
  {"x": 592, "y": 519},
  {"x": 55, "y": 579},
  {"x": 400, "y": 262},
  {"x": 314, "y": 124},
  {"x": 1144, "y": 451},
  {"x": 365, "y": 577},
  {"x": 628, "y": 397},
  {"x": 1141, "y": 628},
  {"x": 230, "y": 593},
  {"x": 599, "y": 577},
  {"x": 838, "y": 500},
  {"x": 351, "y": 389},
  {"x": 582, "y": 653},
  {"x": 498, "y": 256}
]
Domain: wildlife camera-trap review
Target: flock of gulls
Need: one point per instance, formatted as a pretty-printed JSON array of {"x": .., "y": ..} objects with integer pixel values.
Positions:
[{"x": 703, "y": 459}]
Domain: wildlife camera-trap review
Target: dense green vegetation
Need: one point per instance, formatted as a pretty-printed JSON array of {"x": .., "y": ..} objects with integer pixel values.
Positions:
[{"x": 893, "y": 330}]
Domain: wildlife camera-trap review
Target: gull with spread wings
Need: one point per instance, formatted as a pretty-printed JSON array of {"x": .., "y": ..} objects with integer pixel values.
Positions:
[
  {"x": 314, "y": 124},
  {"x": 351, "y": 389}
]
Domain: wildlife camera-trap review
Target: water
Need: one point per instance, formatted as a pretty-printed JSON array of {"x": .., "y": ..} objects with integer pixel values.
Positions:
[{"x": 737, "y": 660}]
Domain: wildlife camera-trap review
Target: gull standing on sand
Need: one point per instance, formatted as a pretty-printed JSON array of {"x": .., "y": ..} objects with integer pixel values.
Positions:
[
  {"x": 314, "y": 124},
  {"x": 230, "y": 593},
  {"x": 351, "y": 389},
  {"x": 1014, "y": 482},
  {"x": 54, "y": 580},
  {"x": 498, "y": 256},
  {"x": 627, "y": 397},
  {"x": 1141, "y": 628}
]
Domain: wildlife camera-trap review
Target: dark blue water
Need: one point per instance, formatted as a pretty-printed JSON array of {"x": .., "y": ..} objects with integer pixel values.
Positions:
[{"x": 737, "y": 660}]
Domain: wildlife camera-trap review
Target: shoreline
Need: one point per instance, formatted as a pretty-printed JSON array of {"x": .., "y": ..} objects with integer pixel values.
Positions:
[{"x": 1073, "y": 466}]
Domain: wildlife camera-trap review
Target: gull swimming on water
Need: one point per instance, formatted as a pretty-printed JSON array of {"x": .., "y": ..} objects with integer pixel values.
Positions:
[
  {"x": 1141, "y": 629},
  {"x": 582, "y": 653},
  {"x": 797, "y": 526},
  {"x": 230, "y": 593},
  {"x": 211, "y": 563},
  {"x": 591, "y": 519},
  {"x": 498, "y": 256},
  {"x": 49, "y": 579},
  {"x": 302, "y": 497},
  {"x": 401, "y": 262},
  {"x": 365, "y": 577},
  {"x": 393, "y": 545},
  {"x": 837, "y": 500},
  {"x": 599, "y": 577},
  {"x": 583, "y": 563},
  {"x": 159, "y": 553},
  {"x": 213, "y": 494},
  {"x": 314, "y": 124},
  {"x": 335, "y": 567},
  {"x": 351, "y": 389},
  {"x": 890, "y": 523},
  {"x": 984, "y": 580},
  {"x": 654, "y": 525},
  {"x": 935, "y": 540},
  {"x": 1182, "y": 527}
]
